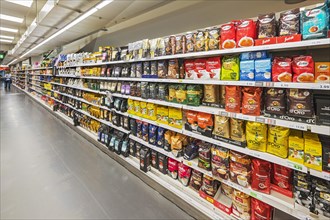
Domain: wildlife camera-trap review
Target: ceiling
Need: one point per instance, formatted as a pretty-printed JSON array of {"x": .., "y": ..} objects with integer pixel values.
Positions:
[{"x": 115, "y": 19}]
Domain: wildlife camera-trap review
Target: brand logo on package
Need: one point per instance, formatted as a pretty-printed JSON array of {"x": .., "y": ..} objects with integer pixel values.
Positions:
[
  {"x": 265, "y": 41},
  {"x": 265, "y": 20},
  {"x": 288, "y": 38},
  {"x": 302, "y": 63},
  {"x": 323, "y": 67},
  {"x": 289, "y": 17},
  {"x": 283, "y": 64},
  {"x": 313, "y": 13},
  {"x": 226, "y": 28},
  {"x": 245, "y": 23}
]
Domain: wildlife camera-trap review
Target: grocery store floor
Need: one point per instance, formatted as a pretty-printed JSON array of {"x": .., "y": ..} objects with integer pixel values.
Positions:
[{"x": 50, "y": 172}]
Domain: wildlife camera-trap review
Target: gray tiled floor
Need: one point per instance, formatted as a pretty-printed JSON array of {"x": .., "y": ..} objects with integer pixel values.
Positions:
[{"x": 49, "y": 172}]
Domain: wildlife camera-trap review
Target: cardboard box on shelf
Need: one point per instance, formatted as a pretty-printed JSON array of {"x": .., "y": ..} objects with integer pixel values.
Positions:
[
  {"x": 289, "y": 38},
  {"x": 222, "y": 202},
  {"x": 206, "y": 197},
  {"x": 265, "y": 41}
]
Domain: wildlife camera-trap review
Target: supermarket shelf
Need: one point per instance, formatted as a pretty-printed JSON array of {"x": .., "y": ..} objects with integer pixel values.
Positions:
[
  {"x": 18, "y": 87},
  {"x": 158, "y": 149},
  {"x": 275, "y": 199},
  {"x": 319, "y": 129},
  {"x": 253, "y": 153},
  {"x": 174, "y": 186},
  {"x": 307, "y": 44},
  {"x": 257, "y": 154},
  {"x": 34, "y": 74},
  {"x": 80, "y": 88},
  {"x": 316, "y": 86},
  {"x": 320, "y": 174},
  {"x": 41, "y": 68},
  {"x": 156, "y": 123}
]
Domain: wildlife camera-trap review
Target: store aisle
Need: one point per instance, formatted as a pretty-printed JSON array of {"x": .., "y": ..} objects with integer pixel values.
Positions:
[{"x": 50, "y": 172}]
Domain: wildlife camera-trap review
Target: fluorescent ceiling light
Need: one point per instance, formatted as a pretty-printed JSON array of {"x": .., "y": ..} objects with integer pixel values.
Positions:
[
  {"x": 26, "y": 3},
  {"x": 73, "y": 23},
  {"x": 8, "y": 29},
  {"x": 11, "y": 18},
  {"x": 6, "y": 37},
  {"x": 12, "y": 62},
  {"x": 3, "y": 40}
]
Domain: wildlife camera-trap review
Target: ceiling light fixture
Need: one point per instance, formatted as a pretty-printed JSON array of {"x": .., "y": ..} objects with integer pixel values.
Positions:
[
  {"x": 8, "y": 29},
  {"x": 73, "y": 23},
  {"x": 11, "y": 18},
  {"x": 25, "y": 3},
  {"x": 6, "y": 37},
  {"x": 4, "y": 40}
]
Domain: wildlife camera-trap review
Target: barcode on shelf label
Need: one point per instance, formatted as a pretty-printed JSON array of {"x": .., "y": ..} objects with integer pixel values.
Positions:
[
  {"x": 295, "y": 166},
  {"x": 256, "y": 195}
]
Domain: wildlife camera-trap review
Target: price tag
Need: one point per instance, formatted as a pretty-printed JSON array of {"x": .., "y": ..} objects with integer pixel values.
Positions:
[
  {"x": 258, "y": 83},
  {"x": 269, "y": 84},
  {"x": 298, "y": 126},
  {"x": 326, "y": 176},
  {"x": 250, "y": 83},
  {"x": 261, "y": 120},
  {"x": 256, "y": 154},
  {"x": 231, "y": 115},
  {"x": 256, "y": 195},
  {"x": 284, "y": 85},
  {"x": 323, "y": 86},
  {"x": 222, "y": 113},
  {"x": 295, "y": 166},
  {"x": 271, "y": 121},
  {"x": 247, "y": 118},
  {"x": 180, "y": 80},
  {"x": 189, "y": 163}
]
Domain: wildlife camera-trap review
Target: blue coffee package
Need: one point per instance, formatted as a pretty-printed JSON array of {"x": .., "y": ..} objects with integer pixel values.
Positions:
[
  {"x": 160, "y": 140},
  {"x": 263, "y": 69},
  {"x": 314, "y": 22},
  {"x": 247, "y": 70},
  {"x": 254, "y": 55},
  {"x": 152, "y": 134}
]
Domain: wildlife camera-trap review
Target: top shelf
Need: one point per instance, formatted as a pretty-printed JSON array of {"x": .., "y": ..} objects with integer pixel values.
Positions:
[{"x": 307, "y": 44}]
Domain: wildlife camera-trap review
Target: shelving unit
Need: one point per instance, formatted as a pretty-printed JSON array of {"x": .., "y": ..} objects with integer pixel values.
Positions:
[{"x": 33, "y": 78}]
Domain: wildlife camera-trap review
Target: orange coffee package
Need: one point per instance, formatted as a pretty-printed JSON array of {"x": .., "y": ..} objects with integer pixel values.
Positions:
[
  {"x": 251, "y": 104},
  {"x": 233, "y": 99}
]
